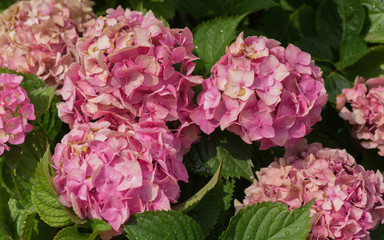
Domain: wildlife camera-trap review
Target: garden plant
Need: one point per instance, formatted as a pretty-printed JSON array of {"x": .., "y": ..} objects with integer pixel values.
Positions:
[{"x": 192, "y": 119}]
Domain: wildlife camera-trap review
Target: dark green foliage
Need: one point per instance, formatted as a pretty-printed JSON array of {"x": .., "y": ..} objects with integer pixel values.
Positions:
[
  {"x": 4, "y": 4},
  {"x": 269, "y": 220},
  {"x": 43, "y": 196},
  {"x": 163, "y": 225},
  {"x": 206, "y": 155},
  {"x": 334, "y": 83}
]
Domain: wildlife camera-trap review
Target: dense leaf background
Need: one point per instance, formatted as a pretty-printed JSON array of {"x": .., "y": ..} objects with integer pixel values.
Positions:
[{"x": 346, "y": 39}]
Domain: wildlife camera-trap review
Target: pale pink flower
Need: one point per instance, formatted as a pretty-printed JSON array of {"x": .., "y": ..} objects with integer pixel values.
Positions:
[
  {"x": 366, "y": 112},
  {"x": 39, "y": 36},
  {"x": 348, "y": 198}
]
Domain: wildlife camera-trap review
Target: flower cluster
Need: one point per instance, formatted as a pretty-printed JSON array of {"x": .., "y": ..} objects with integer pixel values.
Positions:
[
  {"x": 111, "y": 173},
  {"x": 348, "y": 198},
  {"x": 262, "y": 92},
  {"x": 15, "y": 111},
  {"x": 39, "y": 36},
  {"x": 132, "y": 82},
  {"x": 365, "y": 112},
  {"x": 132, "y": 67}
]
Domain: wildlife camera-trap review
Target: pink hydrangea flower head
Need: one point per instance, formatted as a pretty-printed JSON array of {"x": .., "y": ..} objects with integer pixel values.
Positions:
[
  {"x": 262, "y": 92},
  {"x": 133, "y": 66},
  {"x": 366, "y": 112},
  {"x": 15, "y": 111},
  {"x": 39, "y": 36},
  {"x": 110, "y": 173},
  {"x": 348, "y": 198}
]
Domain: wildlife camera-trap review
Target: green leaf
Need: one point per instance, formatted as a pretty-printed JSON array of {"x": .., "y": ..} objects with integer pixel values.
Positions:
[
  {"x": 269, "y": 221},
  {"x": 161, "y": 8},
  {"x": 22, "y": 159},
  {"x": 234, "y": 167},
  {"x": 280, "y": 24},
  {"x": 5, "y": 215},
  {"x": 371, "y": 65},
  {"x": 205, "y": 156},
  {"x": 18, "y": 215},
  {"x": 5, "y": 177},
  {"x": 319, "y": 50},
  {"x": 351, "y": 51},
  {"x": 102, "y": 5},
  {"x": 228, "y": 188},
  {"x": 200, "y": 9},
  {"x": 375, "y": 32},
  {"x": 71, "y": 233},
  {"x": 264, "y": 157},
  {"x": 24, "y": 218},
  {"x": 44, "y": 199},
  {"x": 338, "y": 20},
  {"x": 4, "y": 4},
  {"x": 209, "y": 210},
  {"x": 329, "y": 23},
  {"x": 372, "y": 160},
  {"x": 33, "y": 228},
  {"x": 304, "y": 20},
  {"x": 249, "y": 6},
  {"x": 378, "y": 233},
  {"x": 50, "y": 122},
  {"x": 353, "y": 15},
  {"x": 168, "y": 225},
  {"x": 98, "y": 226},
  {"x": 165, "y": 8},
  {"x": 195, "y": 159},
  {"x": 23, "y": 189},
  {"x": 191, "y": 202},
  {"x": 224, "y": 215},
  {"x": 334, "y": 83},
  {"x": 4, "y": 236},
  {"x": 316, "y": 135},
  {"x": 337, "y": 129},
  {"x": 41, "y": 99},
  {"x": 30, "y": 82},
  {"x": 213, "y": 36},
  {"x": 290, "y": 5},
  {"x": 28, "y": 226}
]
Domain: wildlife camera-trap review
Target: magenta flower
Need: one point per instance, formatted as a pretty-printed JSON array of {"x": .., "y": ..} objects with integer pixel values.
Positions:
[
  {"x": 367, "y": 111},
  {"x": 109, "y": 173},
  {"x": 39, "y": 36},
  {"x": 132, "y": 67},
  {"x": 268, "y": 93},
  {"x": 348, "y": 198},
  {"x": 15, "y": 111}
]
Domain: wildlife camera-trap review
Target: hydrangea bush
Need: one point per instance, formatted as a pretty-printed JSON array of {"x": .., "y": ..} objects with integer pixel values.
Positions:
[{"x": 148, "y": 119}]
